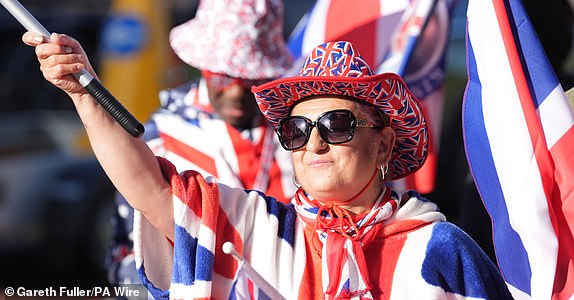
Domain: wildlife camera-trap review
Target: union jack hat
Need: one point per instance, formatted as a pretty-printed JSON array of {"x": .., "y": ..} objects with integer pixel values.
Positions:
[
  {"x": 336, "y": 68},
  {"x": 239, "y": 38}
]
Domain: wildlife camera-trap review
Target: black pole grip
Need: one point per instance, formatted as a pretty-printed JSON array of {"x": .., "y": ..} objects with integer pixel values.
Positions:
[{"x": 115, "y": 108}]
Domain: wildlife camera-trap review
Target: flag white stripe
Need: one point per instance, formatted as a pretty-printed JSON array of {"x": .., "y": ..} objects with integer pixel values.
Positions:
[
  {"x": 555, "y": 116},
  {"x": 315, "y": 30}
]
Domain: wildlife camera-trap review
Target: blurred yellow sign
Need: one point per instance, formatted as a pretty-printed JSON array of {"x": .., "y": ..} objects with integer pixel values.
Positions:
[{"x": 135, "y": 53}]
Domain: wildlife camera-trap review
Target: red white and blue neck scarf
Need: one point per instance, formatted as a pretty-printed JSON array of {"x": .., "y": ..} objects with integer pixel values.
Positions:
[{"x": 343, "y": 237}]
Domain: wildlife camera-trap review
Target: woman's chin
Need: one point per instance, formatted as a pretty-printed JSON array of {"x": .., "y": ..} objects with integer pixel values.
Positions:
[{"x": 326, "y": 191}]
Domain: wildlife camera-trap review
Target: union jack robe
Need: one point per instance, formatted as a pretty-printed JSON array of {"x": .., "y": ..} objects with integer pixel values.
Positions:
[{"x": 416, "y": 254}]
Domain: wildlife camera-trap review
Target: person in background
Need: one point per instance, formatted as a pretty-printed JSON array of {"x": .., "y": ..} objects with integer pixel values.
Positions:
[
  {"x": 349, "y": 132},
  {"x": 212, "y": 125}
]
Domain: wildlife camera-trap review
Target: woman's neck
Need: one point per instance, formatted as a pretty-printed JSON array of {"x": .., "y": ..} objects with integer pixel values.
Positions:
[
  {"x": 365, "y": 202},
  {"x": 364, "y": 199}
]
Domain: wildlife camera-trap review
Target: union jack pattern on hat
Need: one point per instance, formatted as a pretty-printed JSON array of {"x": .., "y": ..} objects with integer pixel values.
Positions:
[
  {"x": 240, "y": 38},
  {"x": 336, "y": 68}
]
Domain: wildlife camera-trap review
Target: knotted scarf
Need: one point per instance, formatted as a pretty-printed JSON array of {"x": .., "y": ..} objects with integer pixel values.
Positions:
[{"x": 343, "y": 237}]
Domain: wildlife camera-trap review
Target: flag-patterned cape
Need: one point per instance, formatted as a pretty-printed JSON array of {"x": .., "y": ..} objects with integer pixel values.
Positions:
[
  {"x": 519, "y": 136},
  {"x": 415, "y": 255}
]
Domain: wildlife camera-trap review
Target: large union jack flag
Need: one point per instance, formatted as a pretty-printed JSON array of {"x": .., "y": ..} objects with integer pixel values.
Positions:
[{"x": 518, "y": 135}]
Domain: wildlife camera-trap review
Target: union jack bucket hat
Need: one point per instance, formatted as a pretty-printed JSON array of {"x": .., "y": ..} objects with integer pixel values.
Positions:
[
  {"x": 239, "y": 38},
  {"x": 336, "y": 68}
]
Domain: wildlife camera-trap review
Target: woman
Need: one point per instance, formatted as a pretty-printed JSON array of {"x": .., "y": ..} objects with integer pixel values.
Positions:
[{"x": 345, "y": 235}]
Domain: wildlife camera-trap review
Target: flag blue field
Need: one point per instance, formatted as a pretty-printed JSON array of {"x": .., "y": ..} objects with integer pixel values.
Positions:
[{"x": 518, "y": 135}]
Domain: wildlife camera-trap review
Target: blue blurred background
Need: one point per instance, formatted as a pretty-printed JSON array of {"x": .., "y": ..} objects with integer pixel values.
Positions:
[{"x": 55, "y": 201}]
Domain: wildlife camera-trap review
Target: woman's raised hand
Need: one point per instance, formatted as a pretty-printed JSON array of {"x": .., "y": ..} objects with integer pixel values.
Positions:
[{"x": 60, "y": 56}]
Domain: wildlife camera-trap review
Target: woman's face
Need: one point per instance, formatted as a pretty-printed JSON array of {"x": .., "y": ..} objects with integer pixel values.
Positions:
[{"x": 336, "y": 173}]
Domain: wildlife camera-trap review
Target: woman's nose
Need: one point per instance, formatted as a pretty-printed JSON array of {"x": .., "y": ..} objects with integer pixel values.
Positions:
[{"x": 315, "y": 143}]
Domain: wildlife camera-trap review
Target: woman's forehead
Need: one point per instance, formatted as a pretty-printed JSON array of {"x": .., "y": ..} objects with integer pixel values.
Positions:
[{"x": 319, "y": 104}]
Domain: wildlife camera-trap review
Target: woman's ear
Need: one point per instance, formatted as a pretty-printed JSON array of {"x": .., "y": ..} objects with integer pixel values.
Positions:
[{"x": 387, "y": 144}]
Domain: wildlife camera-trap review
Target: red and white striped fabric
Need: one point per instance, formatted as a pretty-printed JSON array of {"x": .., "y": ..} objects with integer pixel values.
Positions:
[{"x": 414, "y": 255}]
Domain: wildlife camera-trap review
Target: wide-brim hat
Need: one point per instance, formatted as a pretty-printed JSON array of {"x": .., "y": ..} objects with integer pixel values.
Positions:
[
  {"x": 240, "y": 38},
  {"x": 336, "y": 68}
]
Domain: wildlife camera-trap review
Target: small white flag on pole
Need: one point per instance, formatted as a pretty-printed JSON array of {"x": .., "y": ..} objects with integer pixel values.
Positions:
[{"x": 248, "y": 284}]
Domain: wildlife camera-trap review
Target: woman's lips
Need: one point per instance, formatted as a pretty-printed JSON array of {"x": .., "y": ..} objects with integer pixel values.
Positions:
[{"x": 319, "y": 163}]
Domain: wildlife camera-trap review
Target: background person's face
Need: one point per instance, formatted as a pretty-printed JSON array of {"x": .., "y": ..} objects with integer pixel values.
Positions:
[
  {"x": 234, "y": 104},
  {"x": 335, "y": 172}
]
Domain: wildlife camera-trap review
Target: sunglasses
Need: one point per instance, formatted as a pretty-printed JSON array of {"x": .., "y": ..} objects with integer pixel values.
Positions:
[
  {"x": 222, "y": 81},
  {"x": 335, "y": 127}
]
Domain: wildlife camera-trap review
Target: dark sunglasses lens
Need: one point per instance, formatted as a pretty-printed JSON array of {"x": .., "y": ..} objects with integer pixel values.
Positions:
[
  {"x": 293, "y": 132},
  {"x": 336, "y": 126}
]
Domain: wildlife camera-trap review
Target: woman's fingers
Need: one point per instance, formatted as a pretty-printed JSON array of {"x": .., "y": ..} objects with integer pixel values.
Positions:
[
  {"x": 58, "y": 49},
  {"x": 65, "y": 63},
  {"x": 58, "y": 70},
  {"x": 69, "y": 45},
  {"x": 43, "y": 51},
  {"x": 32, "y": 39},
  {"x": 59, "y": 56}
]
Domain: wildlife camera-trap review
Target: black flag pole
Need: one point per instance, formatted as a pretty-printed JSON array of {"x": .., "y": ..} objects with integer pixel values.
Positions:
[{"x": 92, "y": 85}]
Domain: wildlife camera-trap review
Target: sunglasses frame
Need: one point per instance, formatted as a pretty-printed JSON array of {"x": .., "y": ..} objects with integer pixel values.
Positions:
[{"x": 313, "y": 124}]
